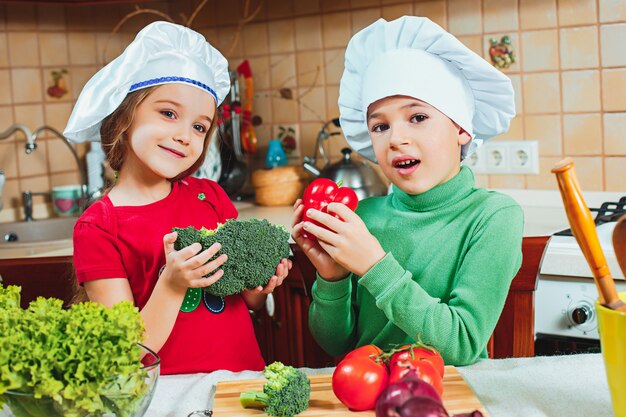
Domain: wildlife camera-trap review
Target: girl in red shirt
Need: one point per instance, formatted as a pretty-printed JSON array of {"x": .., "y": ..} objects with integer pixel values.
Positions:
[{"x": 154, "y": 109}]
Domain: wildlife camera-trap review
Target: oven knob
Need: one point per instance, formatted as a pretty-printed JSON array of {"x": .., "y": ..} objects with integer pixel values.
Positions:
[{"x": 581, "y": 314}]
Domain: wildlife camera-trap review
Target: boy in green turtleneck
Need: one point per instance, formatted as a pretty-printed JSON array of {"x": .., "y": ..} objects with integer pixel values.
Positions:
[{"x": 435, "y": 258}]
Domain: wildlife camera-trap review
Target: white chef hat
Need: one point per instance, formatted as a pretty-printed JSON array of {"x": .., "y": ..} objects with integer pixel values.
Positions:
[
  {"x": 161, "y": 53},
  {"x": 413, "y": 56}
]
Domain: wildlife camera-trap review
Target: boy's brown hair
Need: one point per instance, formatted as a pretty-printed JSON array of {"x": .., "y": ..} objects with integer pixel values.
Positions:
[{"x": 114, "y": 128}]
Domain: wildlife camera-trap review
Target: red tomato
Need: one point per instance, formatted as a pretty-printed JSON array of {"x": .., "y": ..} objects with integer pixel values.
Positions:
[
  {"x": 358, "y": 381},
  {"x": 425, "y": 371},
  {"x": 320, "y": 193},
  {"x": 367, "y": 351},
  {"x": 416, "y": 354}
]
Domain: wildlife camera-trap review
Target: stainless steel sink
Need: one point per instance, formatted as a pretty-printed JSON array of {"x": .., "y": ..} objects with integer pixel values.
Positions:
[{"x": 36, "y": 231}]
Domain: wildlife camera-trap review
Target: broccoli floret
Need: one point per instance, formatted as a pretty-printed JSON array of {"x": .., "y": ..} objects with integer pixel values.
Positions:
[
  {"x": 285, "y": 394},
  {"x": 254, "y": 248}
]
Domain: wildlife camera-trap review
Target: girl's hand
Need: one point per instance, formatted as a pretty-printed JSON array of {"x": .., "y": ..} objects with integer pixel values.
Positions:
[
  {"x": 348, "y": 242},
  {"x": 186, "y": 267},
  {"x": 282, "y": 270},
  {"x": 321, "y": 260}
]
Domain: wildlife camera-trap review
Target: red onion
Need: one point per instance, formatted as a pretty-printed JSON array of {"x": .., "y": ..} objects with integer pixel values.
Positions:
[
  {"x": 395, "y": 395},
  {"x": 422, "y": 407},
  {"x": 475, "y": 413}
]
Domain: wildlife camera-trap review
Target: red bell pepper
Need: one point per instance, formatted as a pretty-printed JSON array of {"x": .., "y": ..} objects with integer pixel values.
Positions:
[{"x": 320, "y": 193}]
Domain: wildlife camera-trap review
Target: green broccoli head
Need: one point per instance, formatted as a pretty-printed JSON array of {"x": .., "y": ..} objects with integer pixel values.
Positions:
[
  {"x": 254, "y": 248},
  {"x": 285, "y": 394}
]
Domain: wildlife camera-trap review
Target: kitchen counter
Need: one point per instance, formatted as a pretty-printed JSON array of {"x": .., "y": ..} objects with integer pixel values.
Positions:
[{"x": 573, "y": 385}]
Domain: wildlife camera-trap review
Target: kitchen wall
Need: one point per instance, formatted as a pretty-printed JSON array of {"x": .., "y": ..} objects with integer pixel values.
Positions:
[{"x": 569, "y": 76}]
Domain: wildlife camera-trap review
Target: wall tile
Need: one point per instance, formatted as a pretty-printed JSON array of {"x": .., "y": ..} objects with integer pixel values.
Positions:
[
  {"x": 579, "y": 47},
  {"x": 364, "y": 18},
  {"x": 81, "y": 18},
  {"x": 582, "y": 134},
  {"x": 333, "y": 65},
  {"x": 27, "y": 87},
  {"x": 615, "y": 169},
  {"x": 500, "y": 15},
  {"x": 65, "y": 178},
  {"x": 3, "y": 25},
  {"x": 7, "y": 119},
  {"x": 397, "y": 10},
  {"x": 541, "y": 93},
  {"x": 361, "y": 4},
  {"x": 82, "y": 48},
  {"x": 577, "y": 12},
  {"x": 79, "y": 77},
  {"x": 35, "y": 163},
  {"x": 336, "y": 29},
  {"x": 589, "y": 172},
  {"x": 40, "y": 183},
  {"x": 332, "y": 96},
  {"x": 30, "y": 115},
  {"x": 507, "y": 181},
  {"x": 545, "y": 179},
  {"x": 282, "y": 71},
  {"x": 312, "y": 102},
  {"x": 613, "y": 87},
  {"x": 308, "y": 33},
  {"x": 60, "y": 158},
  {"x": 481, "y": 180},
  {"x": 284, "y": 111},
  {"x": 21, "y": 16},
  {"x": 5, "y": 93},
  {"x": 57, "y": 115},
  {"x": 23, "y": 49},
  {"x": 612, "y": 11},
  {"x": 51, "y": 17},
  {"x": 277, "y": 9},
  {"x": 615, "y": 134},
  {"x": 53, "y": 48},
  {"x": 434, "y": 10},
  {"x": 546, "y": 130},
  {"x": 540, "y": 50},
  {"x": 306, "y": 7},
  {"x": 255, "y": 39},
  {"x": 464, "y": 17},
  {"x": 334, "y": 5},
  {"x": 229, "y": 12},
  {"x": 281, "y": 35},
  {"x": 516, "y": 130},
  {"x": 4, "y": 50},
  {"x": 262, "y": 107},
  {"x": 229, "y": 44},
  {"x": 537, "y": 14},
  {"x": 473, "y": 42},
  {"x": 516, "y": 81},
  {"x": 8, "y": 158},
  {"x": 612, "y": 45},
  {"x": 260, "y": 67},
  {"x": 310, "y": 66},
  {"x": 514, "y": 38},
  {"x": 48, "y": 81},
  {"x": 12, "y": 194},
  {"x": 308, "y": 137},
  {"x": 581, "y": 91}
]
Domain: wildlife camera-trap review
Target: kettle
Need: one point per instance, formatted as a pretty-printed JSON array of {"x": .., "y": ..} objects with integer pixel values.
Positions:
[{"x": 357, "y": 175}]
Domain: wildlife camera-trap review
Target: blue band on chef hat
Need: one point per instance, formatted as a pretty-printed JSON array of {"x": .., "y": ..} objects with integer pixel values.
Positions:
[{"x": 172, "y": 79}]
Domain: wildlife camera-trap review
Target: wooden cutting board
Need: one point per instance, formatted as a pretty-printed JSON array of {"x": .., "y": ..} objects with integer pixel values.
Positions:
[{"x": 457, "y": 397}]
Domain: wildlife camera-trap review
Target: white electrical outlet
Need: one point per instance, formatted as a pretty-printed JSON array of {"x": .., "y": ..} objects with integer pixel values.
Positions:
[
  {"x": 524, "y": 157},
  {"x": 506, "y": 157}
]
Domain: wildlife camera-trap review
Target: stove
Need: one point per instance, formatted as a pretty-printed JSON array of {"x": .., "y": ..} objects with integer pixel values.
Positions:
[{"x": 565, "y": 318}]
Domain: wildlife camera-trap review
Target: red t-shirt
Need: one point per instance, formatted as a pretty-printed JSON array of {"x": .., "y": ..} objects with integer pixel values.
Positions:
[{"x": 127, "y": 242}]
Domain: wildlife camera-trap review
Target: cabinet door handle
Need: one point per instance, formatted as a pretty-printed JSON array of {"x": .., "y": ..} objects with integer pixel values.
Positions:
[{"x": 270, "y": 305}]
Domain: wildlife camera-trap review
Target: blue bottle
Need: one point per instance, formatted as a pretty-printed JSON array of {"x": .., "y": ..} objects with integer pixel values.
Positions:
[{"x": 275, "y": 155}]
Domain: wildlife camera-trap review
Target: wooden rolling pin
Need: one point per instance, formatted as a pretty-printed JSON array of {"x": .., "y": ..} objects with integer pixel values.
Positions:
[{"x": 584, "y": 230}]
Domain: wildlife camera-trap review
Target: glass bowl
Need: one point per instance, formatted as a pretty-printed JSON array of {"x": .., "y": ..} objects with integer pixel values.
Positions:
[{"x": 26, "y": 405}]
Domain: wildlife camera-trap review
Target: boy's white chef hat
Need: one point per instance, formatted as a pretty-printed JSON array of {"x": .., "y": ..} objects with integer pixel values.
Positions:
[
  {"x": 413, "y": 56},
  {"x": 161, "y": 53}
]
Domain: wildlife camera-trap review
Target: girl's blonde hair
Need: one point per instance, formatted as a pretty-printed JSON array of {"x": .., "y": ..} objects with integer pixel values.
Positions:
[{"x": 114, "y": 127}]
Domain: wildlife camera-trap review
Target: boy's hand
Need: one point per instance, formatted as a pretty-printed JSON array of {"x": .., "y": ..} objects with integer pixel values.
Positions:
[
  {"x": 282, "y": 270},
  {"x": 321, "y": 260},
  {"x": 348, "y": 242},
  {"x": 186, "y": 267}
]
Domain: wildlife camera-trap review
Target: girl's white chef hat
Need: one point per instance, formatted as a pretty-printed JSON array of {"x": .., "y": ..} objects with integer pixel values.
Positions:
[
  {"x": 161, "y": 53},
  {"x": 413, "y": 56}
]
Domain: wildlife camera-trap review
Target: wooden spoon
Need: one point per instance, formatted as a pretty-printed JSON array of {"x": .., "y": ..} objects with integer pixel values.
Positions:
[
  {"x": 584, "y": 230},
  {"x": 619, "y": 243}
]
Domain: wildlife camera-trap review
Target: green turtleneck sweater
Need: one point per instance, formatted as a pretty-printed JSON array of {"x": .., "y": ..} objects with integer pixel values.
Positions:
[{"x": 452, "y": 252}]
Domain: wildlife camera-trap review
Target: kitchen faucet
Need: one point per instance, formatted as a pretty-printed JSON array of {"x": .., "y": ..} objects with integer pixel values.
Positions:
[
  {"x": 3, "y": 135},
  {"x": 31, "y": 145}
]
